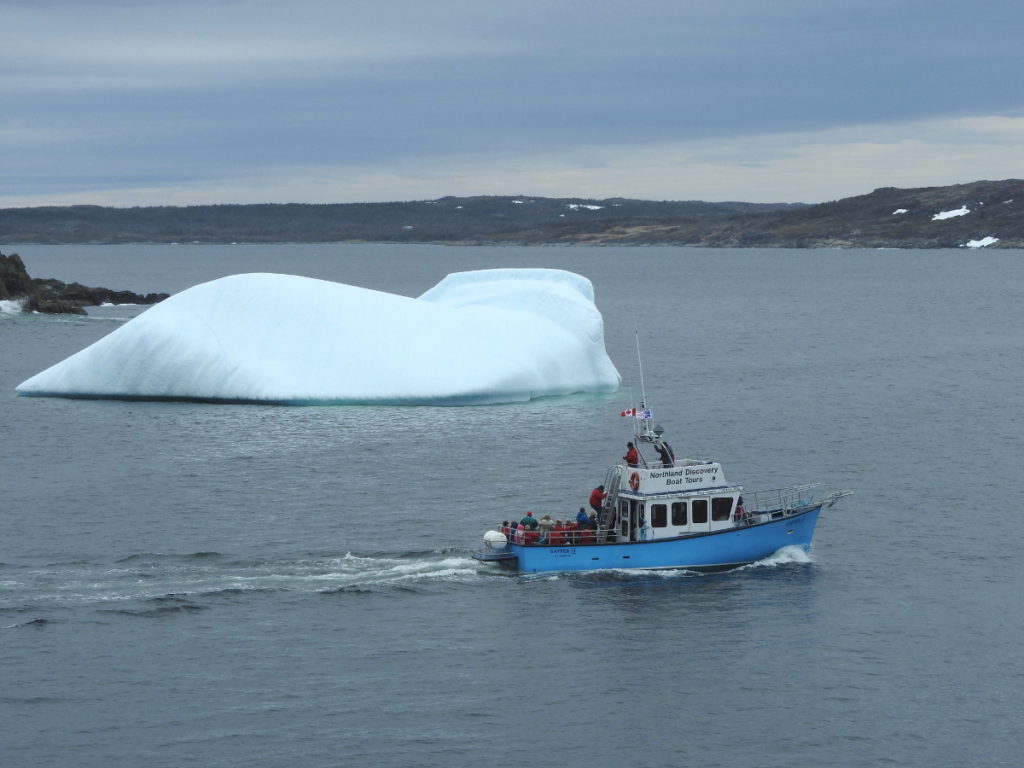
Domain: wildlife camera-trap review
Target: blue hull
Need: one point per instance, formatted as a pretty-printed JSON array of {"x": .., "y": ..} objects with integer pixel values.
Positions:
[{"x": 720, "y": 550}]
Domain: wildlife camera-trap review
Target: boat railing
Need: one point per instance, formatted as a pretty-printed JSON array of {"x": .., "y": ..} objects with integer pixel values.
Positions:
[
  {"x": 779, "y": 502},
  {"x": 568, "y": 538},
  {"x": 646, "y": 464}
]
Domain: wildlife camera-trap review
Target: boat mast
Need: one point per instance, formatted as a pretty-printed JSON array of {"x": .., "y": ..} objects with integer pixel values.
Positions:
[
  {"x": 642, "y": 424},
  {"x": 640, "y": 365},
  {"x": 637, "y": 432}
]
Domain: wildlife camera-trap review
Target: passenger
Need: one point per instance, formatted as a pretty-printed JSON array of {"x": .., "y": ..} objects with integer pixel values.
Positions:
[
  {"x": 740, "y": 512},
  {"x": 587, "y": 536},
  {"x": 506, "y": 530},
  {"x": 529, "y": 521},
  {"x": 546, "y": 523},
  {"x": 520, "y": 533},
  {"x": 532, "y": 537},
  {"x": 597, "y": 497},
  {"x": 582, "y": 518},
  {"x": 571, "y": 533},
  {"x": 632, "y": 456},
  {"x": 556, "y": 538}
]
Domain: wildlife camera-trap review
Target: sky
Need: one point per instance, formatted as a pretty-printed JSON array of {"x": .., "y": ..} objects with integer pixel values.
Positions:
[{"x": 181, "y": 102}]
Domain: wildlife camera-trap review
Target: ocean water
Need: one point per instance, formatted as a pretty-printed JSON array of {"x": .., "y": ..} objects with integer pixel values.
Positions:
[{"x": 202, "y": 585}]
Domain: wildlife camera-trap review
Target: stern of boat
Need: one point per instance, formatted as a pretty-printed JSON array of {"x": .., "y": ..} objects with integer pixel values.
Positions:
[{"x": 497, "y": 550}]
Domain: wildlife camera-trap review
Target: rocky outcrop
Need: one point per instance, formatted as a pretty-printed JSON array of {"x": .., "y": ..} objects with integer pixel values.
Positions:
[
  {"x": 14, "y": 279},
  {"x": 55, "y": 297}
]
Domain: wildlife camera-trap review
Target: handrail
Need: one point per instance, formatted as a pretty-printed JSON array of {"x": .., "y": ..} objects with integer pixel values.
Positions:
[
  {"x": 597, "y": 535},
  {"x": 677, "y": 463}
]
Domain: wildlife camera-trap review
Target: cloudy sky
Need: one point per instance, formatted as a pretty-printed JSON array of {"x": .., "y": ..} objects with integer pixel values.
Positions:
[{"x": 175, "y": 102}]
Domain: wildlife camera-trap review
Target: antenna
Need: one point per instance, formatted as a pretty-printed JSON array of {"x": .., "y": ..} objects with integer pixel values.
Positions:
[{"x": 640, "y": 364}]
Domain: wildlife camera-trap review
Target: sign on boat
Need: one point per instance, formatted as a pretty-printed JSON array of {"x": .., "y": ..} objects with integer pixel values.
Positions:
[{"x": 665, "y": 513}]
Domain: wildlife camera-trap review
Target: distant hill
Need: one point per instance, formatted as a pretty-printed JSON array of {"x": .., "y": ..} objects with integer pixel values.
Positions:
[
  {"x": 930, "y": 217},
  {"x": 448, "y": 219}
]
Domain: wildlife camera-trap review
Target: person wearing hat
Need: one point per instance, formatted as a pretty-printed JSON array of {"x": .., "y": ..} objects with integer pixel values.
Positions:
[
  {"x": 545, "y": 525},
  {"x": 529, "y": 521}
]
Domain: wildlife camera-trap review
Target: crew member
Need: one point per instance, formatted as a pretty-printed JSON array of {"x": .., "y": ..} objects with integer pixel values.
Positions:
[
  {"x": 632, "y": 456},
  {"x": 665, "y": 453}
]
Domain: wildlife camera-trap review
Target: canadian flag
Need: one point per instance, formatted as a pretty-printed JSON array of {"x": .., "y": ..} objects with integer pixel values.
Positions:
[{"x": 628, "y": 412}]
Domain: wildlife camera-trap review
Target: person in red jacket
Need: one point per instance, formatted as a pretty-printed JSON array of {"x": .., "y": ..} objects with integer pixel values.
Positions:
[
  {"x": 597, "y": 497},
  {"x": 556, "y": 538},
  {"x": 632, "y": 456}
]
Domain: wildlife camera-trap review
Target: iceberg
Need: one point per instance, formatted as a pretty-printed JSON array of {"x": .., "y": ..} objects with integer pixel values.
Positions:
[
  {"x": 943, "y": 215},
  {"x": 984, "y": 242},
  {"x": 488, "y": 336}
]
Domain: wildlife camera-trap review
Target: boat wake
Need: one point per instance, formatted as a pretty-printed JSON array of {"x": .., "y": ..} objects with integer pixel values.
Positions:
[
  {"x": 154, "y": 584},
  {"x": 792, "y": 555},
  {"x": 151, "y": 584}
]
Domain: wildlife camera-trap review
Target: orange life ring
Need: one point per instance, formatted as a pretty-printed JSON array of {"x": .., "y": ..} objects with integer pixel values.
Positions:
[{"x": 634, "y": 481}]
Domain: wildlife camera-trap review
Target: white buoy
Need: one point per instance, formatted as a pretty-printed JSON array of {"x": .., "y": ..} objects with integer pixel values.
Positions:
[{"x": 495, "y": 540}]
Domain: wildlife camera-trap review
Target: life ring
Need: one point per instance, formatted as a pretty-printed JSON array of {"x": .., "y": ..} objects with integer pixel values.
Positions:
[{"x": 634, "y": 481}]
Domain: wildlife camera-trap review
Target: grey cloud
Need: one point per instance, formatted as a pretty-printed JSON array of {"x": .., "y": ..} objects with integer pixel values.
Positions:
[{"x": 148, "y": 90}]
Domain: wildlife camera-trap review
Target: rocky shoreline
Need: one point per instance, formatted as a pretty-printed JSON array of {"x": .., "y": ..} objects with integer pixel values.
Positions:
[{"x": 55, "y": 297}]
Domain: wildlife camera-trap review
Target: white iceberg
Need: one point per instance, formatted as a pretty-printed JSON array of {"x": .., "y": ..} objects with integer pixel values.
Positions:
[
  {"x": 490, "y": 336},
  {"x": 943, "y": 215},
  {"x": 982, "y": 243}
]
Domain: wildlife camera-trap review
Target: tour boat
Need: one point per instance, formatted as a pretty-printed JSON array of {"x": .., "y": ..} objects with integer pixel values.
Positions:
[{"x": 666, "y": 513}]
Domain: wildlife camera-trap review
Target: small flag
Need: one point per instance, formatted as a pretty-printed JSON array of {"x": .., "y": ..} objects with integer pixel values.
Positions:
[
  {"x": 628, "y": 412},
  {"x": 647, "y": 414}
]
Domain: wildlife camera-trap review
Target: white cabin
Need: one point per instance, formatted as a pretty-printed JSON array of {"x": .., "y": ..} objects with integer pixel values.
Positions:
[{"x": 689, "y": 497}]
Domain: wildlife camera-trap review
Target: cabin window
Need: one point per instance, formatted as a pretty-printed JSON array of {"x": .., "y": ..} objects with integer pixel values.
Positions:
[
  {"x": 721, "y": 508},
  {"x": 659, "y": 515},
  {"x": 678, "y": 513},
  {"x": 699, "y": 511}
]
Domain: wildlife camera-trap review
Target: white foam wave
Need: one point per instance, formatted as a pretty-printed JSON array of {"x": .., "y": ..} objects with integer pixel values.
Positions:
[
  {"x": 11, "y": 306},
  {"x": 784, "y": 556},
  {"x": 157, "y": 577},
  {"x": 355, "y": 571}
]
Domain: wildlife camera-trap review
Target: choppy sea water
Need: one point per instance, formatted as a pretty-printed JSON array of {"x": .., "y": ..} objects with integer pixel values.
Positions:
[{"x": 186, "y": 584}]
